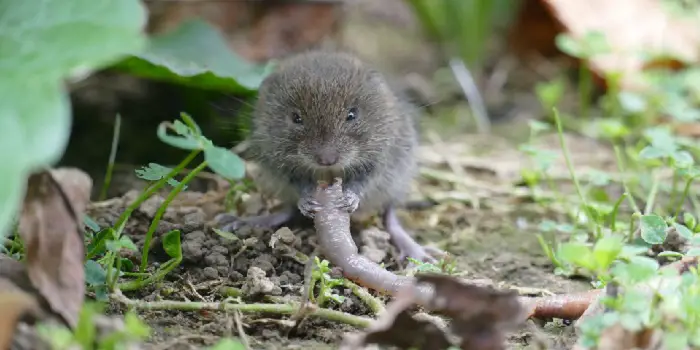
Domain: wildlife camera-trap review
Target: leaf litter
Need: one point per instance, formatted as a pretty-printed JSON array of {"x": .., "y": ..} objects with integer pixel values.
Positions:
[{"x": 51, "y": 282}]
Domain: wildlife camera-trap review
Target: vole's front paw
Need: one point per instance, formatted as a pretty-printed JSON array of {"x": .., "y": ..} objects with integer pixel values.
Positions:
[
  {"x": 308, "y": 206},
  {"x": 349, "y": 202}
]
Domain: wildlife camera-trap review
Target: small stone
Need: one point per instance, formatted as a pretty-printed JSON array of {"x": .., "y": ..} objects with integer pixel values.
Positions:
[{"x": 210, "y": 273}]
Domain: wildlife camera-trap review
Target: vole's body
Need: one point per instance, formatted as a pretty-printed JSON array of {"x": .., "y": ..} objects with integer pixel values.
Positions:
[
  {"x": 325, "y": 114},
  {"x": 376, "y": 149}
]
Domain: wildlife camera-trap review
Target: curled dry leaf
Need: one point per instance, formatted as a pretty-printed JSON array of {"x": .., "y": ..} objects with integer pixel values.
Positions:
[
  {"x": 632, "y": 28},
  {"x": 51, "y": 227}
]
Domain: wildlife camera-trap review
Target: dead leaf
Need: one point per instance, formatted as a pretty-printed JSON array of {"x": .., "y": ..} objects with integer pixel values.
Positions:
[
  {"x": 632, "y": 28},
  {"x": 480, "y": 316},
  {"x": 396, "y": 327},
  {"x": 51, "y": 227},
  {"x": 257, "y": 30},
  {"x": 13, "y": 305}
]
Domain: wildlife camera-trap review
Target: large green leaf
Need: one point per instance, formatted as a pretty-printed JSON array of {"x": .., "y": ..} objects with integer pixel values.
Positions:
[
  {"x": 195, "y": 54},
  {"x": 42, "y": 43}
]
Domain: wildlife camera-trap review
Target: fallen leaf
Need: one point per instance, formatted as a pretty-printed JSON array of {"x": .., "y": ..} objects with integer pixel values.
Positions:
[
  {"x": 51, "y": 227},
  {"x": 632, "y": 29},
  {"x": 396, "y": 327},
  {"x": 257, "y": 30},
  {"x": 13, "y": 305},
  {"x": 480, "y": 315}
]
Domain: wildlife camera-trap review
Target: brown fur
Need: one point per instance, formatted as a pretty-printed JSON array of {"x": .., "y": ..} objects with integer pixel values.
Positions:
[{"x": 377, "y": 149}]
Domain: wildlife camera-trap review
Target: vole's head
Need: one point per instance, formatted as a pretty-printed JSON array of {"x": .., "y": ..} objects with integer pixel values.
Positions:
[{"x": 325, "y": 111}]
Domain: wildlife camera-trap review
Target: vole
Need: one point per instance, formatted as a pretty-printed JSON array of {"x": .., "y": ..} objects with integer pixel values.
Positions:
[{"x": 326, "y": 114}]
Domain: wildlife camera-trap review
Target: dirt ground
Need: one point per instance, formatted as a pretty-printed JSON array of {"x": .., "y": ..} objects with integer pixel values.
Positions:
[
  {"x": 481, "y": 219},
  {"x": 484, "y": 218}
]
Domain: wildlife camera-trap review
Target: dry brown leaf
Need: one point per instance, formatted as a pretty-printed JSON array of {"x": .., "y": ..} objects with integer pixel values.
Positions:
[
  {"x": 534, "y": 30},
  {"x": 631, "y": 27},
  {"x": 13, "y": 305},
  {"x": 51, "y": 228},
  {"x": 480, "y": 317},
  {"x": 257, "y": 30}
]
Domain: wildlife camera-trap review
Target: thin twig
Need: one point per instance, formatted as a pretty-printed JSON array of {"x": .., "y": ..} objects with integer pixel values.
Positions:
[{"x": 471, "y": 92}]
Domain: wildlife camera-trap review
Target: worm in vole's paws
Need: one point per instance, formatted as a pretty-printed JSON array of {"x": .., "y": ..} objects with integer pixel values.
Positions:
[
  {"x": 349, "y": 202},
  {"x": 308, "y": 206}
]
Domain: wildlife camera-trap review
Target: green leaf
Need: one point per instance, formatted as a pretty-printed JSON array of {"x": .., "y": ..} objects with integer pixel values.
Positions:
[
  {"x": 152, "y": 172},
  {"x": 196, "y": 54},
  {"x": 90, "y": 223},
  {"x": 187, "y": 142},
  {"x": 567, "y": 44},
  {"x": 127, "y": 243},
  {"x": 632, "y": 102},
  {"x": 577, "y": 253},
  {"x": 653, "y": 229},
  {"x": 228, "y": 344},
  {"x": 224, "y": 162},
  {"x": 42, "y": 43},
  {"x": 606, "y": 251},
  {"x": 651, "y": 152},
  {"x": 682, "y": 159},
  {"x": 171, "y": 244},
  {"x": 227, "y": 235},
  {"x": 693, "y": 252},
  {"x": 135, "y": 327},
  {"x": 94, "y": 273},
  {"x": 683, "y": 231}
]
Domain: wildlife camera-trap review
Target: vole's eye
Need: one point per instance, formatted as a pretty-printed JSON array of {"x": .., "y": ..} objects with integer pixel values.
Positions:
[
  {"x": 352, "y": 114},
  {"x": 296, "y": 118}
]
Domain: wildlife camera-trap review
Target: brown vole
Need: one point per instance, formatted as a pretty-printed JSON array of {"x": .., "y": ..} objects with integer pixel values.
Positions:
[{"x": 326, "y": 114}]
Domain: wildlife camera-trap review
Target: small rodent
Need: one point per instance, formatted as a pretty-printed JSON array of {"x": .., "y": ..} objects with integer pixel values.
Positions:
[{"x": 325, "y": 114}]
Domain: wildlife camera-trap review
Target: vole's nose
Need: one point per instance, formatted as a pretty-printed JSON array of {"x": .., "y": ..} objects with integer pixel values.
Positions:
[{"x": 327, "y": 157}]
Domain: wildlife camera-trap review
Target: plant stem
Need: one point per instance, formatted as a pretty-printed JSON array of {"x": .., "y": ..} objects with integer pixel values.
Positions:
[
  {"x": 119, "y": 226},
  {"x": 616, "y": 209},
  {"x": 584, "y": 85},
  {"x": 373, "y": 303},
  {"x": 158, "y": 275},
  {"x": 621, "y": 169},
  {"x": 652, "y": 194},
  {"x": 161, "y": 211},
  {"x": 112, "y": 156},
  {"x": 570, "y": 166},
  {"x": 282, "y": 309},
  {"x": 681, "y": 201}
]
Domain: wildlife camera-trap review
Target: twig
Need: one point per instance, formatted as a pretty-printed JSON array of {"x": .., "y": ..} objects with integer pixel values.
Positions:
[
  {"x": 471, "y": 92},
  {"x": 282, "y": 309}
]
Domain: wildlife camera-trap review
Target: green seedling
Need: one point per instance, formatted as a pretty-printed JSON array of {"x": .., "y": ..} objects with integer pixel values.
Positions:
[
  {"x": 321, "y": 276},
  {"x": 85, "y": 334}
]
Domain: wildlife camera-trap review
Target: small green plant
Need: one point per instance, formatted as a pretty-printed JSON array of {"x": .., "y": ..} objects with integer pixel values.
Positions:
[
  {"x": 443, "y": 266},
  {"x": 321, "y": 276},
  {"x": 85, "y": 333},
  {"x": 106, "y": 244}
]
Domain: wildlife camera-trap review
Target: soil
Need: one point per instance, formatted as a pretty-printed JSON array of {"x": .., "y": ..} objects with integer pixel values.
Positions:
[
  {"x": 483, "y": 218},
  {"x": 486, "y": 226}
]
